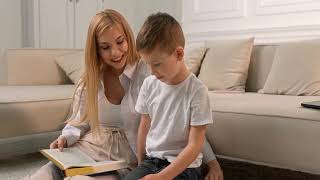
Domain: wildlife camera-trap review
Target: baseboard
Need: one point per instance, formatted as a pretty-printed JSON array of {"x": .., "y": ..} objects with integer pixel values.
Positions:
[{"x": 26, "y": 144}]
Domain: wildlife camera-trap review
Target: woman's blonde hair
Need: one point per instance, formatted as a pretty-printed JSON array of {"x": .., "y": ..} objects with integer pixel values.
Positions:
[{"x": 94, "y": 65}]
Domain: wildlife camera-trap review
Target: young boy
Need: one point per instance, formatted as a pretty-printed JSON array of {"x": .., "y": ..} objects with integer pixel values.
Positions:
[{"x": 173, "y": 103}]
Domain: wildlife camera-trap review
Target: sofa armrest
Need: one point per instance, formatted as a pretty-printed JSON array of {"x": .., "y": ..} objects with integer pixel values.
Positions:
[
  {"x": 35, "y": 67},
  {"x": 3, "y": 68}
]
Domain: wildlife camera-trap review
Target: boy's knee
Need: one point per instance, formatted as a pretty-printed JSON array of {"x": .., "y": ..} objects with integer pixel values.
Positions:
[{"x": 133, "y": 175}]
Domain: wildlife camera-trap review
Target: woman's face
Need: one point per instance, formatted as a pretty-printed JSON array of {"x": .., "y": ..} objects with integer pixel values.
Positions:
[{"x": 113, "y": 47}]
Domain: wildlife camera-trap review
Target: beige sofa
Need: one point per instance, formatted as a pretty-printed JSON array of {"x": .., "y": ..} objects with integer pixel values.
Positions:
[
  {"x": 266, "y": 129},
  {"x": 35, "y": 97}
]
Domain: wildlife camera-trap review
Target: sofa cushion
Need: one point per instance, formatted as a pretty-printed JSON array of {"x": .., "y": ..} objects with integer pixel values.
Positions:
[
  {"x": 269, "y": 129},
  {"x": 29, "y": 110},
  {"x": 295, "y": 70},
  {"x": 19, "y": 94},
  {"x": 260, "y": 65},
  {"x": 72, "y": 64},
  {"x": 194, "y": 54},
  {"x": 35, "y": 66},
  {"x": 225, "y": 66},
  {"x": 265, "y": 105}
]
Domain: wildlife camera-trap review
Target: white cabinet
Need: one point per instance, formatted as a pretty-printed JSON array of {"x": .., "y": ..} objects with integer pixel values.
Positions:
[{"x": 63, "y": 23}]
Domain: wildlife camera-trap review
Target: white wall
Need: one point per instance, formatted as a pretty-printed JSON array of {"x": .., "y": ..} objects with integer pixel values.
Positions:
[
  {"x": 136, "y": 11},
  {"x": 27, "y": 23},
  {"x": 147, "y": 7},
  {"x": 17, "y": 20},
  {"x": 125, "y": 7},
  {"x": 268, "y": 20},
  {"x": 53, "y": 20},
  {"x": 10, "y": 20}
]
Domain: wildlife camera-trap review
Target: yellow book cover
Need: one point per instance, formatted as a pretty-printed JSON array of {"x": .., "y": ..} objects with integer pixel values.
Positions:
[{"x": 75, "y": 162}]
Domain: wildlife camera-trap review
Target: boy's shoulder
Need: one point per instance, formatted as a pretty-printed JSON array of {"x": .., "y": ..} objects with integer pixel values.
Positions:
[{"x": 197, "y": 83}]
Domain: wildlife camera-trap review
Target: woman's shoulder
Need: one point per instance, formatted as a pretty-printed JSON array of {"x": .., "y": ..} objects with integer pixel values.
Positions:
[{"x": 142, "y": 69}]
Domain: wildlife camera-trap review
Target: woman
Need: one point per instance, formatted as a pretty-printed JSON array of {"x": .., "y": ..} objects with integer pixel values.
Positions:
[{"x": 103, "y": 107}]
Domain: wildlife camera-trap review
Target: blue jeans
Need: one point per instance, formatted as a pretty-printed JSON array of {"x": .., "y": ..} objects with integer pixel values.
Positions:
[{"x": 154, "y": 165}]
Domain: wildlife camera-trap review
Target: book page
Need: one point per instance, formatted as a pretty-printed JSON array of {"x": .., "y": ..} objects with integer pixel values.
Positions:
[{"x": 69, "y": 157}]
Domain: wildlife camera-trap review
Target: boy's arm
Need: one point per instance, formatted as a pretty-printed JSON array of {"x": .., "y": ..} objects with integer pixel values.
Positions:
[
  {"x": 142, "y": 136},
  {"x": 187, "y": 156}
]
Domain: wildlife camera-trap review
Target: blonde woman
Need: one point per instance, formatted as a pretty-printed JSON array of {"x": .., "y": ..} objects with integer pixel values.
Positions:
[{"x": 104, "y": 123}]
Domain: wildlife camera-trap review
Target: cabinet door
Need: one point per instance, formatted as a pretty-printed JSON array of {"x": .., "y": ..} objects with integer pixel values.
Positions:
[
  {"x": 84, "y": 11},
  {"x": 52, "y": 23}
]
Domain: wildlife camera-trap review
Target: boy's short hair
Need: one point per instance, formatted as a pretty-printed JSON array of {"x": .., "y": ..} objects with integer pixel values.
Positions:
[{"x": 162, "y": 31}]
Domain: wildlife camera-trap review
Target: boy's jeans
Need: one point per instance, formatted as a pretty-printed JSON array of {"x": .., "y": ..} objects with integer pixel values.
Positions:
[{"x": 154, "y": 165}]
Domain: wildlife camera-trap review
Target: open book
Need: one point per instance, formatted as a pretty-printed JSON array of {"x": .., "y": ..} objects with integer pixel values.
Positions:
[{"x": 75, "y": 162}]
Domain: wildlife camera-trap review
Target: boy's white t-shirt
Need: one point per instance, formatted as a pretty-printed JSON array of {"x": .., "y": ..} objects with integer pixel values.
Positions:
[{"x": 172, "y": 110}]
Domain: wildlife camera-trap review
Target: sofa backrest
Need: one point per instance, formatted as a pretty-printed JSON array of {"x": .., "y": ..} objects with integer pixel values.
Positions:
[
  {"x": 260, "y": 65},
  {"x": 35, "y": 66}
]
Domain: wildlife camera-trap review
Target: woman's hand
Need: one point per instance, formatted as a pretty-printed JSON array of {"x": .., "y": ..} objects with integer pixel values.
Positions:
[
  {"x": 214, "y": 171},
  {"x": 60, "y": 142}
]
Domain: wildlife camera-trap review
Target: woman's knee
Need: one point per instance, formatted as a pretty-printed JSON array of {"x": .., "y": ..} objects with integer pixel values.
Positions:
[{"x": 47, "y": 172}]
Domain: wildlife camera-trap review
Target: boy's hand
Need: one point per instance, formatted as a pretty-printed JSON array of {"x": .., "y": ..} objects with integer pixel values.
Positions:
[
  {"x": 214, "y": 171},
  {"x": 152, "y": 177},
  {"x": 60, "y": 142}
]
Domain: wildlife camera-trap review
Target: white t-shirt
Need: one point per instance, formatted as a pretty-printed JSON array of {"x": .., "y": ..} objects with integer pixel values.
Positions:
[{"x": 172, "y": 110}]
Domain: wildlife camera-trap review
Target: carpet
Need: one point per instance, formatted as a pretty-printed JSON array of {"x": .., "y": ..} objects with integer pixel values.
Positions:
[
  {"x": 235, "y": 170},
  {"x": 16, "y": 167}
]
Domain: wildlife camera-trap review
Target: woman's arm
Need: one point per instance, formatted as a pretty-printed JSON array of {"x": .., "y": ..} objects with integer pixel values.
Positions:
[
  {"x": 208, "y": 154},
  {"x": 210, "y": 160},
  {"x": 70, "y": 132},
  {"x": 214, "y": 171}
]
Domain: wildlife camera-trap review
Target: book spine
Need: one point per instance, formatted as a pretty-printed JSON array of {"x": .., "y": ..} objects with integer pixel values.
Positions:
[{"x": 79, "y": 171}]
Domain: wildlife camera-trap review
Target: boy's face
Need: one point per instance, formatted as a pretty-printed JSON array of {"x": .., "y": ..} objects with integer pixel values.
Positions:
[{"x": 166, "y": 67}]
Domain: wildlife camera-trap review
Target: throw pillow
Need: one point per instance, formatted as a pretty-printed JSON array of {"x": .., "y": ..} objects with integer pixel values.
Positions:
[
  {"x": 3, "y": 67},
  {"x": 295, "y": 70},
  {"x": 225, "y": 66},
  {"x": 72, "y": 64},
  {"x": 193, "y": 57}
]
